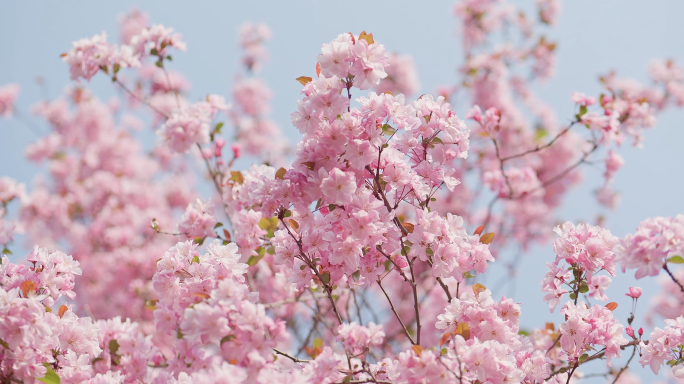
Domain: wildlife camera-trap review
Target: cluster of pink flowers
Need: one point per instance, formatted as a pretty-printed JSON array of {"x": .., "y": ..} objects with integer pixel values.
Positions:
[
  {"x": 33, "y": 337},
  {"x": 198, "y": 220},
  {"x": 585, "y": 328},
  {"x": 665, "y": 346},
  {"x": 648, "y": 249},
  {"x": 88, "y": 56},
  {"x": 255, "y": 132},
  {"x": 187, "y": 127},
  {"x": 252, "y": 37},
  {"x": 358, "y": 57},
  {"x": 587, "y": 250}
]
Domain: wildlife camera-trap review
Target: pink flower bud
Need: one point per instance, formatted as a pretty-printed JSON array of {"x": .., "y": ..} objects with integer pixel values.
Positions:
[
  {"x": 219, "y": 142},
  {"x": 207, "y": 153},
  {"x": 634, "y": 292},
  {"x": 641, "y": 332},
  {"x": 236, "y": 149},
  {"x": 630, "y": 331}
]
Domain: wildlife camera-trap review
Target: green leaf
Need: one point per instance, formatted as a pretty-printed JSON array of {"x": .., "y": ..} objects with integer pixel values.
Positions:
[
  {"x": 51, "y": 376},
  {"x": 287, "y": 213},
  {"x": 218, "y": 127},
  {"x": 523, "y": 332},
  {"x": 347, "y": 379},
  {"x": 676, "y": 260},
  {"x": 237, "y": 177},
  {"x": 388, "y": 265},
  {"x": 331, "y": 207},
  {"x": 583, "y": 110},
  {"x": 356, "y": 275},
  {"x": 268, "y": 224},
  {"x": 159, "y": 64},
  {"x": 318, "y": 343},
  {"x": 444, "y": 351},
  {"x": 584, "y": 288},
  {"x": 154, "y": 51},
  {"x": 388, "y": 130},
  {"x": 255, "y": 259},
  {"x": 116, "y": 67},
  {"x": 467, "y": 275},
  {"x": 6, "y": 251},
  {"x": 385, "y": 145},
  {"x": 573, "y": 296},
  {"x": 113, "y": 346},
  {"x": 583, "y": 357},
  {"x": 227, "y": 338},
  {"x": 169, "y": 58},
  {"x": 199, "y": 240},
  {"x": 270, "y": 250},
  {"x": 195, "y": 259},
  {"x": 325, "y": 278},
  {"x": 218, "y": 225}
]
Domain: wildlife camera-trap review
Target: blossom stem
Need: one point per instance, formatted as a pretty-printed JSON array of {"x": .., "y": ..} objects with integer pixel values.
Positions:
[{"x": 672, "y": 277}]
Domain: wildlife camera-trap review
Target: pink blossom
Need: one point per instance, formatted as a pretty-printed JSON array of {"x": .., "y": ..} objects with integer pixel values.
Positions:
[
  {"x": 337, "y": 187},
  {"x": 186, "y": 127},
  {"x": 8, "y": 97},
  {"x": 634, "y": 292}
]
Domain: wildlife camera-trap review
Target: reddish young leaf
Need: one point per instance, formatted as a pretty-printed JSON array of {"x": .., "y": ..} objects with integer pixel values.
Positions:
[
  {"x": 445, "y": 338},
  {"x": 318, "y": 69},
  {"x": 226, "y": 234},
  {"x": 28, "y": 286},
  {"x": 417, "y": 349},
  {"x": 479, "y": 230},
  {"x": 280, "y": 173},
  {"x": 463, "y": 329},
  {"x": 294, "y": 224},
  {"x": 409, "y": 227},
  {"x": 612, "y": 305},
  {"x": 62, "y": 310}
]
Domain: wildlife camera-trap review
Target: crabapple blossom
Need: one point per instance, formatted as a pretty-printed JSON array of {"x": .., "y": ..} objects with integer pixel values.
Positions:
[
  {"x": 376, "y": 212},
  {"x": 8, "y": 97},
  {"x": 648, "y": 249},
  {"x": 187, "y": 127}
]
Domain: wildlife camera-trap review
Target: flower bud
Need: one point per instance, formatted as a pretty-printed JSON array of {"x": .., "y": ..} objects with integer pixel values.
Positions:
[
  {"x": 634, "y": 292},
  {"x": 630, "y": 331}
]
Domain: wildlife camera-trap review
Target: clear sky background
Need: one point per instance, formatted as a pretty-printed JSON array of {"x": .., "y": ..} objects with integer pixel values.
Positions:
[{"x": 594, "y": 37}]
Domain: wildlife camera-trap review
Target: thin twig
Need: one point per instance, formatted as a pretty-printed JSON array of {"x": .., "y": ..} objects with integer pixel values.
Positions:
[
  {"x": 672, "y": 277},
  {"x": 296, "y": 360},
  {"x": 395, "y": 313}
]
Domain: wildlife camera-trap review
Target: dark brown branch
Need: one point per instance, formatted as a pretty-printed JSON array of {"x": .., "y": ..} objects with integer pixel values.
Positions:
[{"x": 665, "y": 267}]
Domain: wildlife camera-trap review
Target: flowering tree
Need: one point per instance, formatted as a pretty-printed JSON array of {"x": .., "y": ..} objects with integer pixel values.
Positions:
[{"x": 375, "y": 214}]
